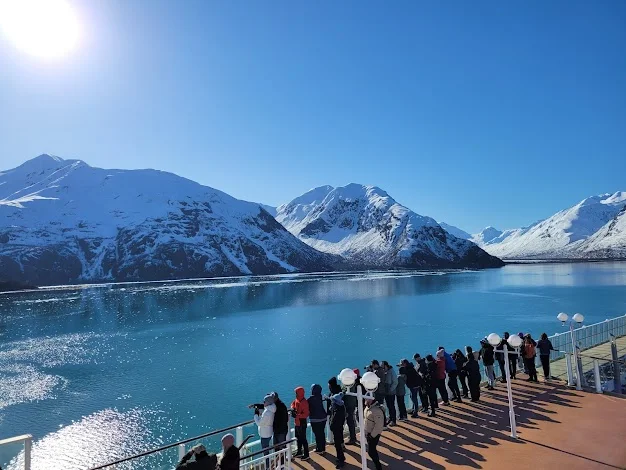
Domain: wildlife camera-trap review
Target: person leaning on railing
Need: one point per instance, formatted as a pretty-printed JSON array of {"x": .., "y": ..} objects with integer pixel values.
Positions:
[
  {"x": 545, "y": 346},
  {"x": 230, "y": 454}
]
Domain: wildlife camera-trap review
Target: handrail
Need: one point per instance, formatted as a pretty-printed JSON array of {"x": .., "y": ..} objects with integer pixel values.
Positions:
[
  {"x": 280, "y": 444},
  {"x": 169, "y": 446}
]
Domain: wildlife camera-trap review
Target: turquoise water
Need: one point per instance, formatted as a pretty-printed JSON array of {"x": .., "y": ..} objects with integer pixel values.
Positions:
[{"x": 97, "y": 373}]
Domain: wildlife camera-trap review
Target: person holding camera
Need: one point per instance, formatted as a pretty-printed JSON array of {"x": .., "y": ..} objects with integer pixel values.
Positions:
[
  {"x": 265, "y": 422},
  {"x": 202, "y": 461},
  {"x": 300, "y": 413},
  {"x": 374, "y": 425}
]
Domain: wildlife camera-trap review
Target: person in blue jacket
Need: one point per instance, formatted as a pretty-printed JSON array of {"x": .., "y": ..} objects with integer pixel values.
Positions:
[
  {"x": 317, "y": 417},
  {"x": 453, "y": 375}
]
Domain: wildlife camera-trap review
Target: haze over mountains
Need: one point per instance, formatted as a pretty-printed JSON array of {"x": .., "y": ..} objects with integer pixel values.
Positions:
[{"x": 63, "y": 221}]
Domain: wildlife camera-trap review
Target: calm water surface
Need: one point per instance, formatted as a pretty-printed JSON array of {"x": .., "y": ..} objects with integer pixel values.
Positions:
[{"x": 101, "y": 372}]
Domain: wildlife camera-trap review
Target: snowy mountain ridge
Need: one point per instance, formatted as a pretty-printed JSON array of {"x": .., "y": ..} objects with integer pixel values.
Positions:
[
  {"x": 590, "y": 229},
  {"x": 62, "y": 221},
  {"x": 366, "y": 225}
]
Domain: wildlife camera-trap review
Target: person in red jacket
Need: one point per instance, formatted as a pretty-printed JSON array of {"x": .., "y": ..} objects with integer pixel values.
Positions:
[{"x": 300, "y": 413}]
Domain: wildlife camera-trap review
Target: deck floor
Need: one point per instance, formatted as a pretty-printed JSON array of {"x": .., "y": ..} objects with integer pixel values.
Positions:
[{"x": 557, "y": 428}]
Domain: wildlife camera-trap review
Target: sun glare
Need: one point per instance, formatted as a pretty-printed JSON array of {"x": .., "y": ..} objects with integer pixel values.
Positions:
[{"x": 44, "y": 28}]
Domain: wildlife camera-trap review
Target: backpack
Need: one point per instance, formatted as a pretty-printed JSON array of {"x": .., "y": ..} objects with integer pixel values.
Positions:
[{"x": 529, "y": 350}]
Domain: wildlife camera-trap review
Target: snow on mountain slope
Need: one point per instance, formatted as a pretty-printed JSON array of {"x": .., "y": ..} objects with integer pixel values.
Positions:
[
  {"x": 366, "y": 226},
  {"x": 560, "y": 236},
  {"x": 456, "y": 231},
  {"x": 609, "y": 241},
  {"x": 62, "y": 221}
]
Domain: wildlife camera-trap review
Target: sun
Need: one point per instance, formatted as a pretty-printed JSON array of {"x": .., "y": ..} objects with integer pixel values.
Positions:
[{"x": 47, "y": 29}]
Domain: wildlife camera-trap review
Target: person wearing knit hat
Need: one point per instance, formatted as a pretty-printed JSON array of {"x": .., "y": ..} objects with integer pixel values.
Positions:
[
  {"x": 265, "y": 422},
  {"x": 230, "y": 453}
]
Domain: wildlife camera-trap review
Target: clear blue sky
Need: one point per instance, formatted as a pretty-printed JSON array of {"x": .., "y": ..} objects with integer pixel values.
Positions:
[{"x": 475, "y": 113}]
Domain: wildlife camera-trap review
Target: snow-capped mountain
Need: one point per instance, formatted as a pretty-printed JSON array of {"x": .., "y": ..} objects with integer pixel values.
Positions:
[
  {"x": 367, "y": 226},
  {"x": 62, "y": 221},
  {"x": 593, "y": 228},
  {"x": 456, "y": 231}
]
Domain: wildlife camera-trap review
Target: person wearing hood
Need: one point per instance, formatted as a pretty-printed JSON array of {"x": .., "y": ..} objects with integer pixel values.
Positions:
[
  {"x": 440, "y": 377},
  {"x": 391, "y": 385},
  {"x": 317, "y": 417},
  {"x": 230, "y": 454},
  {"x": 544, "y": 345},
  {"x": 374, "y": 425},
  {"x": 265, "y": 422},
  {"x": 401, "y": 393},
  {"x": 460, "y": 360},
  {"x": 351, "y": 407},
  {"x": 473, "y": 374},
  {"x": 202, "y": 461},
  {"x": 300, "y": 413},
  {"x": 413, "y": 383},
  {"x": 453, "y": 375},
  {"x": 488, "y": 356},
  {"x": 337, "y": 419},
  {"x": 431, "y": 384},
  {"x": 529, "y": 353}
]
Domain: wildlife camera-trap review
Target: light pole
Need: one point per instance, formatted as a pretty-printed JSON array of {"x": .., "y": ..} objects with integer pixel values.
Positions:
[
  {"x": 370, "y": 381},
  {"x": 576, "y": 318},
  {"x": 514, "y": 341}
]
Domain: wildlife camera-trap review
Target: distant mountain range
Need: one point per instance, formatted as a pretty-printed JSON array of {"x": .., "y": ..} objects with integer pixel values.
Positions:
[{"x": 595, "y": 228}]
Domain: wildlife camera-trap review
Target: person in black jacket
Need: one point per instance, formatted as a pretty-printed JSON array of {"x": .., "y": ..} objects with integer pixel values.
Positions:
[
  {"x": 413, "y": 382},
  {"x": 202, "y": 461},
  {"x": 500, "y": 357},
  {"x": 460, "y": 360},
  {"x": 337, "y": 419},
  {"x": 488, "y": 356},
  {"x": 230, "y": 454},
  {"x": 422, "y": 371},
  {"x": 281, "y": 420},
  {"x": 473, "y": 374},
  {"x": 545, "y": 346},
  {"x": 430, "y": 384},
  {"x": 351, "y": 406},
  {"x": 317, "y": 418}
]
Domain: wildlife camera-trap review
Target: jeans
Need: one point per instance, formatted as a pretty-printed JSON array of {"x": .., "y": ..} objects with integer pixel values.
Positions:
[
  {"x": 454, "y": 384},
  {"x": 443, "y": 391},
  {"x": 532, "y": 370},
  {"x": 474, "y": 388},
  {"x": 372, "y": 442},
  {"x": 545, "y": 363},
  {"x": 279, "y": 439},
  {"x": 416, "y": 405},
  {"x": 491, "y": 375},
  {"x": 338, "y": 438},
  {"x": 351, "y": 420},
  {"x": 303, "y": 444},
  {"x": 319, "y": 431},
  {"x": 431, "y": 394},
  {"x": 513, "y": 366},
  {"x": 402, "y": 406},
  {"x": 463, "y": 380},
  {"x": 390, "y": 400},
  {"x": 502, "y": 370},
  {"x": 265, "y": 443}
]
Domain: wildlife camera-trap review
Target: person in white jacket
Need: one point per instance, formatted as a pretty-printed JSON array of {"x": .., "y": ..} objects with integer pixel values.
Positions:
[{"x": 265, "y": 422}]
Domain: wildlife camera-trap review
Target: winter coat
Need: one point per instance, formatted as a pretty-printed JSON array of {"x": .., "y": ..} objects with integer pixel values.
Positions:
[
  {"x": 374, "y": 420},
  {"x": 401, "y": 388},
  {"x": 413, "y": 379},
  {"x": 473, "y": 370},
  {"x": 525, "y": 354},
  {"x": 450, "y": 364},
  {"x": 265, "y": 421},
  {"x": 317, "y": 413},
  {"x": 544, "y": 346},
  {"x": 204, "y": 462},
  {"x": 333, "y": 386},
  {"x": 431, "y": 373},
  {"x": 391, "y": 382},
  {"x": 487, "y": 353},
  {"x": 349, "y": 400},
  {"x": 230, "y": 459},
  {"x": 300, "y": 407},
  {"x": 337, "y": 413},
  {"x": 281, "y": 418},
  {"x": 440, "y": 372}
]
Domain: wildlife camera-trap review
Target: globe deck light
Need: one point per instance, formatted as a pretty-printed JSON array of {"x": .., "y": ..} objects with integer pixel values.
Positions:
[
  {"x": 514, "y": 341},
  {"x": 347, "y": 377},
  {"x": 578, "y": 318},
  {"x": 562, "y": 317},
  {"x": 370, "y": 381},
  {"x": 494, "y": 339}
]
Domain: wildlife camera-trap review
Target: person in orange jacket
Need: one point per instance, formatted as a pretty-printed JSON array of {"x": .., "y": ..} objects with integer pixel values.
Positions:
[{"x": 300, "y": 413}]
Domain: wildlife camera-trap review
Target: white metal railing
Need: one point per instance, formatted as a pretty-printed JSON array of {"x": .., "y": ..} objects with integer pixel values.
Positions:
[
  {"x": 27, "y": 439},
  {"x": 277, "y": 459}
]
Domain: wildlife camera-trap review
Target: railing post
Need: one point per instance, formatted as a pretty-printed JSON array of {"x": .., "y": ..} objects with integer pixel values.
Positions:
[
  {"x": 596, "y": 373},
  {"x": 181, "y": 451},
  {"x": 28, "y": 443},
  {"x": 570, "y": 372},
  {"x": 239, "y": 436},
  {"x": 579, "y": 371},
  {"x": 617, "y": 380},
  {"x": 289, "y": 448}
]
